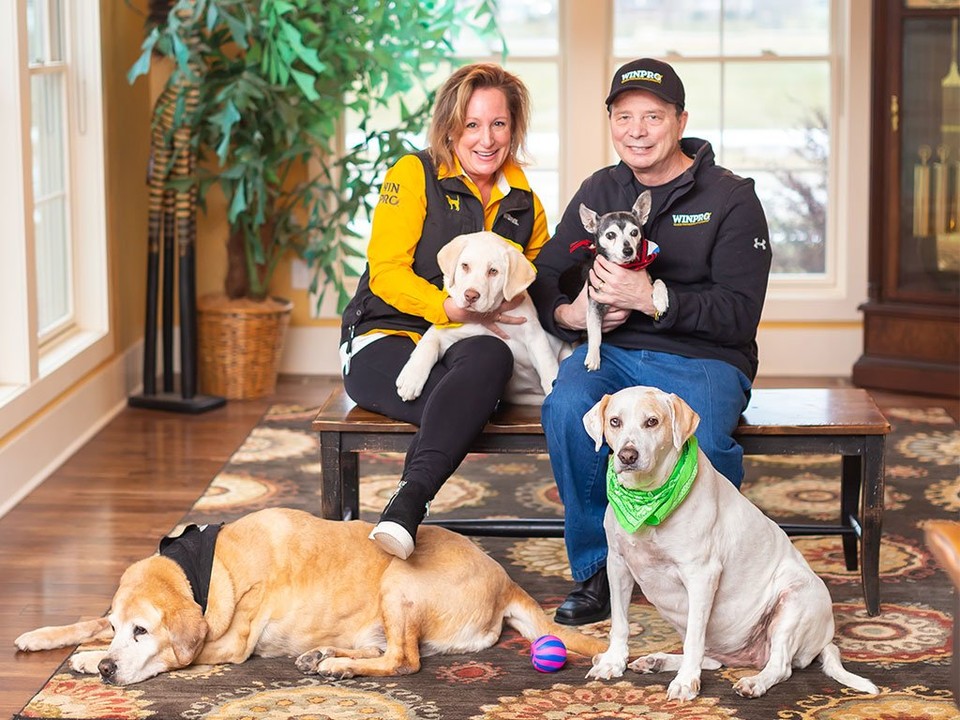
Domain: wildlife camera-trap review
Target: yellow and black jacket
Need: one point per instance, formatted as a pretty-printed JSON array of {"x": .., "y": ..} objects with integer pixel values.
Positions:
[{"x": 419, "y": 211}]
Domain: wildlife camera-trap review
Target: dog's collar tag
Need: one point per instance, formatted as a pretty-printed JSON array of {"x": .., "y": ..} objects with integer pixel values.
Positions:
[{"x": 635, "y": 508}]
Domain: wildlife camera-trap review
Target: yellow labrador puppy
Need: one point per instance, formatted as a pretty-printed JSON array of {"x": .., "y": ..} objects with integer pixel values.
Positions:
[
  {"x": 480, "y": 271},
  {"x": 721, "y": 572},
  {"x": 286, "y": 583}
]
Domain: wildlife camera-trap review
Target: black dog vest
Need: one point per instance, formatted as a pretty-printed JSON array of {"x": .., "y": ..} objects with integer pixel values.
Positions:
[{"x": 193, "y": 551}]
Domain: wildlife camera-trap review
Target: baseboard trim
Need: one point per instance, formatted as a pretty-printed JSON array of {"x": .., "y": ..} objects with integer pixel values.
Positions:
[{"x": 45, "y": 443}]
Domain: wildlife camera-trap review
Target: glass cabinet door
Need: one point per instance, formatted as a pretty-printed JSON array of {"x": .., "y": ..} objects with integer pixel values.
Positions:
[
  {"x": 928, "y": 261},
  {"x": 911, "y": 320}
]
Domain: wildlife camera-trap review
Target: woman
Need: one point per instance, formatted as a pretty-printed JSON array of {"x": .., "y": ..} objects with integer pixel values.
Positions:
[{"x": 469, "y": 179}]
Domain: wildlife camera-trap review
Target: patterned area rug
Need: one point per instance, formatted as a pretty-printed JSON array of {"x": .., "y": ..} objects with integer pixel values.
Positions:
[{"x": 906, "y": 650}]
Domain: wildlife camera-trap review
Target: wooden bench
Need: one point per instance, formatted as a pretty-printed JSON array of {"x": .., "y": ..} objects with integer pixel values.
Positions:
[{"x": 836, "y": 421}]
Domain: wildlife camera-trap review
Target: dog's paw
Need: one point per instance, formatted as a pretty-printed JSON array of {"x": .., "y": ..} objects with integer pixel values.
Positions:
[
  {"x": 750, "y": 687},
  {"x": 660, "y": 296},
  {"x": 309, "y": 661},
  {"x": 31, "y": 641},
  {"x": 592, "y": 361},
  {"x": 410, "y": 382},
  {"x": 648, "y": 664},
  {"x": 87, "y": 662},
  {"x": 336, "y": 668},
  {"x": 683, "y": 688},
  {"x": 607, "y": 666}
]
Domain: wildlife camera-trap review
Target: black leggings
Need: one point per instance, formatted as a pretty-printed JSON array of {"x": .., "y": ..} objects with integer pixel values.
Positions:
[{"x": 457, "y": 400}]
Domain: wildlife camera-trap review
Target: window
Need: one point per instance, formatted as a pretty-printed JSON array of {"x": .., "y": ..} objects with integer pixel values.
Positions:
[
  {"x": 531, "y": 29},
  {"x": 780, "y": 88},
  {"x": 758, "y": 81},
  {"x": 53, "y": 260},
  {"x": 49, "y": 149}
]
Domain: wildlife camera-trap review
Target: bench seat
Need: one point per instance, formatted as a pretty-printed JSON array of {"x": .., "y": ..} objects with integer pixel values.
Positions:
[{"x": 778, "y": 421}]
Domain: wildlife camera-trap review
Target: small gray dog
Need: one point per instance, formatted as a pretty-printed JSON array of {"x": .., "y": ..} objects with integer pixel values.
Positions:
[{"x": 618, "y": 237}]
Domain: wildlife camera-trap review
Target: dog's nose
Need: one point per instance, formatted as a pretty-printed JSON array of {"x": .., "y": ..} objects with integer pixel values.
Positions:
[
  {"x": 628, "y": 456},
  {"x": 471, "y": 295},
  {"x": 108, "y": 669},
  {"x": 628, "y": 250}
]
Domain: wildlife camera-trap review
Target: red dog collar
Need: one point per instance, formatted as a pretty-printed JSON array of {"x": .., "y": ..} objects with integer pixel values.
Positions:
[{"x": 648, "y": 253}]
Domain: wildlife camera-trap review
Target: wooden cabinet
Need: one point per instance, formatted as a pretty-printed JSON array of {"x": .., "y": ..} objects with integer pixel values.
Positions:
[{"x": 912, "y": 318}]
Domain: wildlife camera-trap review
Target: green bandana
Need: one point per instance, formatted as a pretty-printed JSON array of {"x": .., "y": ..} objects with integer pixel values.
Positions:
[{"x": 634, "y": 508}]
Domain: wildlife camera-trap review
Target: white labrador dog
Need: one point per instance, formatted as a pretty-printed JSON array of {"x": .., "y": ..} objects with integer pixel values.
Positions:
[
  {"x": 721, "y": 572},
  {"x": 480, "y": 271}
]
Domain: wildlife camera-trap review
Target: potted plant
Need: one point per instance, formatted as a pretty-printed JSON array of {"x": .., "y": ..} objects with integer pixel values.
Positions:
[{"x": 263, "y": 86}]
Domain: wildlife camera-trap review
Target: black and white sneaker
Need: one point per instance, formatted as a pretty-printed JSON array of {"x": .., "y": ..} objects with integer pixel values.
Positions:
[
  {"x": 393, "y": 539},
  {"x": 397, "y": 528}
]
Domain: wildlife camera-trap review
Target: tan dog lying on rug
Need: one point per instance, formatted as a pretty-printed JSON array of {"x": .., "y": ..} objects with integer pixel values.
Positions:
[
  {"x": 286, "y": 583},
  {"x": 717, "y": 569}
]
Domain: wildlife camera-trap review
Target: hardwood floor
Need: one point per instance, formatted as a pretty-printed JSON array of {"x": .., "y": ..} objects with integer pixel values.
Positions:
[{"x": 63, "y": 548}]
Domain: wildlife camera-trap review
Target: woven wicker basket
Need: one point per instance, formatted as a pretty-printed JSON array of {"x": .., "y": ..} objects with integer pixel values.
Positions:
[{"x": 240, "y": 342}]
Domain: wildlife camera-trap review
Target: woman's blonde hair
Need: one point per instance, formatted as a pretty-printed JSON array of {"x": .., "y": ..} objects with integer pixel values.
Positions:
[{"x": 450, "y": 109}]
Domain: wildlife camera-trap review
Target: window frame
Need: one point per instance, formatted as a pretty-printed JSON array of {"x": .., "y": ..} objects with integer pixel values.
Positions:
[
  {"x": 34, "y": 374},
  {"x": 829, "y": 298}
]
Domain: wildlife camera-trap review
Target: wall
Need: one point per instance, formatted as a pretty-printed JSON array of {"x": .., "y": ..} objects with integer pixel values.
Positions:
[{"x": 127, "y": 130}]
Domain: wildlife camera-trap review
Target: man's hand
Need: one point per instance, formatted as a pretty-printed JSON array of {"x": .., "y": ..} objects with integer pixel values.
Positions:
[
  {"x": 621, "y": 288},
  {"x": 573, "y": 316}
]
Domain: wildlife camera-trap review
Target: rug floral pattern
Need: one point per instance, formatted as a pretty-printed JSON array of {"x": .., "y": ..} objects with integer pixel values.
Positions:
[{"x": 906, "y": 650}]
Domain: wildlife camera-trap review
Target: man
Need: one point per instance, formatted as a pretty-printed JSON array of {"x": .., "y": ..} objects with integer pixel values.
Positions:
[{"x": 700, "y": 344}]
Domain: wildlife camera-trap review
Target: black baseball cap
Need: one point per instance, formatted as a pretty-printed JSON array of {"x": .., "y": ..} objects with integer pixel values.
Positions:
[{"x": 651, "y": 75}]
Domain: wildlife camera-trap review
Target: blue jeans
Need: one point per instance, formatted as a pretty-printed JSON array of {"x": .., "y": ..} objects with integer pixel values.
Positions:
[{"x": 716, "y": 390}]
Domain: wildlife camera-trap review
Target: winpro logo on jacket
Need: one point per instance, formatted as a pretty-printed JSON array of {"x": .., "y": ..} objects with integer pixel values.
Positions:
[{"x": 686, "y": 220}]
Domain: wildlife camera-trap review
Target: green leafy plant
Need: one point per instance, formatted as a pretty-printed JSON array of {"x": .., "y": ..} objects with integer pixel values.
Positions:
[{"x": 271, "y": 82}]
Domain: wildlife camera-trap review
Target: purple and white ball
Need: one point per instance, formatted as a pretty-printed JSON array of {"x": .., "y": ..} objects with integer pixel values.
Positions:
[{"x": 548, "y": 653}]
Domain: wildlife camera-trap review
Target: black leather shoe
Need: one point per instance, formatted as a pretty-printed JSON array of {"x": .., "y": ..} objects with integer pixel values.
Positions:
[{"x": 588, "y": 603}]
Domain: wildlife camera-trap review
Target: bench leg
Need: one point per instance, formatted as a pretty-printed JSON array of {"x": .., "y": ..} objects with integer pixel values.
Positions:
[
  {"x": 331, "y": 483},
  {"x": 851, "y": 475},
  {"x": 871, "y": 521},
  {"x": 350, "y": 485}
]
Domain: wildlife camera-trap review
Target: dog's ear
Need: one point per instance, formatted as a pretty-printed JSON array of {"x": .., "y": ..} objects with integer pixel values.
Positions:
[
  {"x": 447, "y": 258},
  {"x": 594, "y": 419},
  {"x": 188, "y": 630},
  {"x": 641, "y": 208},
  {"x": 685, "y": 421},
  {"x": 589, "y": 218},
  {"x": 520, "y": 273}
]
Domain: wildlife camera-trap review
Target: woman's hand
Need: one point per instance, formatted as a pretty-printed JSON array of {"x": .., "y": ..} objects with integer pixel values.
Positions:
[{"x": 490, "y": 320}]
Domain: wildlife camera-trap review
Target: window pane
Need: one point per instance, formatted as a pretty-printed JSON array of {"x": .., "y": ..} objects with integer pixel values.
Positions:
[
  {"x": 47, "y": 127},
  {"x": 542, "y": 80},
  {"x": 46, "y": 134},
  {"x": 34, "y": 32},
  {"x": 530, "y": 28},
  {"x": 691, "y": 28},
  {"x": 660, "y": 28},
  {"x": 788, "y": 145},
  {"x": 53, "y": 277},
  {"x": 776, "y": 27},
  {"x": 55, "y": 18}
]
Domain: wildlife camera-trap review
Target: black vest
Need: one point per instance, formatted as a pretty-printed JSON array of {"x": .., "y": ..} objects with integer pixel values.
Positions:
[{"x": 451, "y": 210}]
